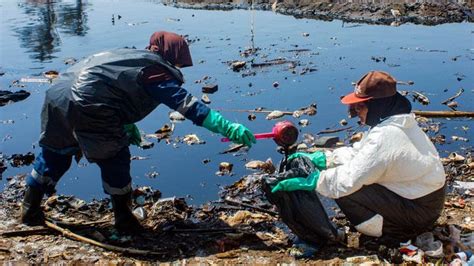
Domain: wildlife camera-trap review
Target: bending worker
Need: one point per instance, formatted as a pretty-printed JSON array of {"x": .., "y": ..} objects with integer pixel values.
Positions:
[
  {"x": 92, "y": 108},
  {"x": 392, "y": 181}
]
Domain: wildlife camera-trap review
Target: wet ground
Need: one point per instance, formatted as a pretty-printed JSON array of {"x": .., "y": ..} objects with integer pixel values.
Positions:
[{"x": 298, "y": 62}]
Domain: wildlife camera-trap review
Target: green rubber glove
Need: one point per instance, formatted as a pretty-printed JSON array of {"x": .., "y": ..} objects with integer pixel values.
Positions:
[
  {"x": 318, "y": 158},
  {"x": 134, "y": 136},
  {"x": 298, "y": 183},
  {"x": 237, "y": 133}
]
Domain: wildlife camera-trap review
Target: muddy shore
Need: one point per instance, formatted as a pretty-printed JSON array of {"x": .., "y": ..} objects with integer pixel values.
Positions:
[
  {"x": 374, "y": 12},
  {"x": 240, "y": 227}
]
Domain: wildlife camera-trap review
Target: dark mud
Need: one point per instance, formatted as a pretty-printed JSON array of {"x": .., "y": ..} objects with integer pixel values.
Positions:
[{"x": 392, "y": 13}]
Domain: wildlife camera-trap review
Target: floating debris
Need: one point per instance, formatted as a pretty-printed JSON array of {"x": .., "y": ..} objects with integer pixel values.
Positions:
[
  {"x": 8, "y": 96},
  {"x": 453, "y": 105},
  {"x": 409, "y": 83},
  {"x": 225, "y": 168},
  {"x": 205, "y": 99},
  {"x": 251, "y": 117},
  {"x": 210, "y": 88},
  {"x": 266, "y": 166},
  {"x": 378, "y": 58},
  {"x": 421, "y": 98},
  {"x": 303, "y": 122},
  {"x": 192, "y": 139},
  {"x": 457, "y": 138},
  {"x": 138, "y": 158},
  {"x": 206, "y": 161},
  {"x": 237, "y": 65},
  {"x": 17, "y": 160},
  {"x": 305, "y": 34},
  {"x": 450, "y": 99},
  {"x": 176, "y": 116},
  {"x": 51, "y": 74},
  {"x": 35, "y": 80},
  {"x": 153, "y": 174},
  {"x": 70, "y": 61},
  {"x": 275, "y": 115},
  {"x": 273, "y": 62},
  {"x": 145, "y": 145},
  {"x": 164, "y": 132}
]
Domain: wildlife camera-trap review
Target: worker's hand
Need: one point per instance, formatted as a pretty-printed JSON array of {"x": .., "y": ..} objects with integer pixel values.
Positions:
[
  {"x": 298, "y": 183},
  {"x": 318, "y": 158},
  {"x": 237, "y": 133},
  {"x": 134, "y": 136},
  {"x": 240, "y": 134}
]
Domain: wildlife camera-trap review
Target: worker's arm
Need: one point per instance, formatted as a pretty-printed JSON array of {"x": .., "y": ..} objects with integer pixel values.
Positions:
[
  {"x": 175, "y": 97},
  {"x": 171, "y": 94},
  {"x": 365, "y": 167}
]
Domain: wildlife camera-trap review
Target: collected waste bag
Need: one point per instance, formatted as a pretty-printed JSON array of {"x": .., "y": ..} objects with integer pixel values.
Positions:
[{"x": 300, "y": 210}]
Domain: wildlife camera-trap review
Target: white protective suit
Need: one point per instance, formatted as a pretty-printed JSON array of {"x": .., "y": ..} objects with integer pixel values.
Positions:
[{"x": 396, "y": 154}]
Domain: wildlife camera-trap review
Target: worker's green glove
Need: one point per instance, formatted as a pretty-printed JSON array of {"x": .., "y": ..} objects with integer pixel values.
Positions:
[
  {"x": 298, "y": 183},
  {"x": 237, "y": 133},
  {"x": 318, "y": 158},
  {"x": 134, "y": 136}
]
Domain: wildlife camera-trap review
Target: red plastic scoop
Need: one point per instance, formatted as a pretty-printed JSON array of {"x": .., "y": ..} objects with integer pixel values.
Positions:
[{"x": 284, "y": 133}]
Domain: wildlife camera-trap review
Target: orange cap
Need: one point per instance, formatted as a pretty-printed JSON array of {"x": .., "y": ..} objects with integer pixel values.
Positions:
[{"x": 373, "y": 85}]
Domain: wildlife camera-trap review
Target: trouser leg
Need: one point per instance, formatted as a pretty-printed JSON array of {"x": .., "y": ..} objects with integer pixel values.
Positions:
[
  {"x": 48, "y": 168},
  {"x": 375, "y": 210},
  {"x": 117, "y": 182}
]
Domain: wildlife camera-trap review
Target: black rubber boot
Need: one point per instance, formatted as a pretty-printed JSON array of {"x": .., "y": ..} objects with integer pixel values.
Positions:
[
  {"x": 125, "y": 221},
  {"x": 31, "y": 212}
]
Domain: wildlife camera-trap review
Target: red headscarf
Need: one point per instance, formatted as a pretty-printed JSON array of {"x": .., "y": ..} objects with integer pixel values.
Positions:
[{"x": 171, "y": 47}]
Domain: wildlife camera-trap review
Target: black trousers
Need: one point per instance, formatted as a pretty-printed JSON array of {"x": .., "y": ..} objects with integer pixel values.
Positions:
[{"x": 401, "y": 217}]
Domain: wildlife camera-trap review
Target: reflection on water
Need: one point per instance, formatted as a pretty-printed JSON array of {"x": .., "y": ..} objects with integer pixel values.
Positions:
[{"x": 41, "y": 36}]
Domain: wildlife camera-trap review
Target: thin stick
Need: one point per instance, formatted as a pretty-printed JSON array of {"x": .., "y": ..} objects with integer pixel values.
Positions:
[
  {"x": 233, "y": 149},
  {"x": 444, "y": 113},
  {"x": 72, "y": 235},
  {"x": 329, "y": 131},
  {"x": 26, "y": 232},
  {"x": 238, "y": 203},
  {"x": 203, "y": 230},
  {"x": 251, "y": 111},
  {"x": 62, "y": 223},
  {"x": 454, "y": 97}
]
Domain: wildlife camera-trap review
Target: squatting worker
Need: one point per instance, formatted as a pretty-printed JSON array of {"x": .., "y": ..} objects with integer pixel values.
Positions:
[
  {"x": 92, "y": 108},
  {"x": 392, "y": 181}
]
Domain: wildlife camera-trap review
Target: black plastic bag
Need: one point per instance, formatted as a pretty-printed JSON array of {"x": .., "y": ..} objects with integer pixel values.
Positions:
[{"x": 300, "y": 210}]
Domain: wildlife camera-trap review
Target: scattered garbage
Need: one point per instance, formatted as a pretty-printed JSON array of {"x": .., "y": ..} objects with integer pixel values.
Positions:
[
  {"x": 51, "y": 74},
  {"x": 210, "y": 88},
  {"x": 205, "y": 99},
  {"x": 225, "y": 168},
  {"x": 18, "y": 160},
  {"x": 237, "y": 65},
  {"x": 176, "y": 116},
  {"x": 275, "y": 115},
  {"x": 192, "y": 139},
  {"x": 266, "y": 166},
  {"x": 8, "y": 96},
  {"x": 421, "y": 98}
]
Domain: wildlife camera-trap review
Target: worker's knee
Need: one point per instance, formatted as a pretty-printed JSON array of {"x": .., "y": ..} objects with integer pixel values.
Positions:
[{"x": 48, "y": 168}]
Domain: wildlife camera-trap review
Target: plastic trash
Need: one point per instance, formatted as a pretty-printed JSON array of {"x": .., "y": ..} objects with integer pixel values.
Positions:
[{"x": 431, "y": 247}]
